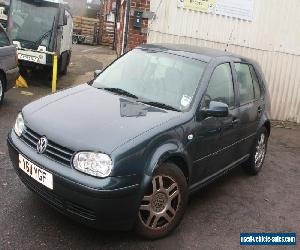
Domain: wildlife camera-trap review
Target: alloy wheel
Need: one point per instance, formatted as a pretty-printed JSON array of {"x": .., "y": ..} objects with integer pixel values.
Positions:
[
  {"x": 260, "y": 151},
  {"x": 160, "y": 205}
]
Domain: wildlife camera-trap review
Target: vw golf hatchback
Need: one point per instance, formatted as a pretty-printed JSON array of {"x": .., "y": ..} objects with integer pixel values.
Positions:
[{"x": 127, "y": 149}]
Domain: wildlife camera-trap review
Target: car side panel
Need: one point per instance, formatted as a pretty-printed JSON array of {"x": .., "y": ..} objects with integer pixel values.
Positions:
[
  {"x": 8, "y": 64},
  {"x": 11, "y": 77},
  {"x": 249, "y": 123},
  {"x": 204, "y": 145}
]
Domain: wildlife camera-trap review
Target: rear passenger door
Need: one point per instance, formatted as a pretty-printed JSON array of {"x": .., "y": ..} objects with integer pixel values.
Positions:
[{"x": 250, "y": 105}]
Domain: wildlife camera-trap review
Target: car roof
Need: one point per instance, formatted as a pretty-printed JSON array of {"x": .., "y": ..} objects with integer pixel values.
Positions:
[{"x": 195, "y": 52}]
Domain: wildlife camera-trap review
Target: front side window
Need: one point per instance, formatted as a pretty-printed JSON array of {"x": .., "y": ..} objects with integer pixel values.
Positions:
[
  {"x": 3, "y": 39},
  {"x": 155, "y": 76},
  {"x": 245, "y": 83},
  {"x": 220, "y": 88}
]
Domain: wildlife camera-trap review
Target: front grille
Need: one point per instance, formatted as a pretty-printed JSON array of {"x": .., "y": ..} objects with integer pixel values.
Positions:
[
  {"x": 55, "y": 200},
  {"x": 53, "y": 151}
]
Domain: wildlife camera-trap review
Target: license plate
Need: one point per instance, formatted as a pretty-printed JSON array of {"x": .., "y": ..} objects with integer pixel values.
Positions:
[
  {"x": 40, "y": 175},
  {"x": 28, "y": 58}
]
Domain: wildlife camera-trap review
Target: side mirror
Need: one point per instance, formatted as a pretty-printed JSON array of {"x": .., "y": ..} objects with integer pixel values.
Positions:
[
  {"x": 65, "y": 19},
  {"x": 216, "y": 109},
  {"x": 97, "y": 73}
]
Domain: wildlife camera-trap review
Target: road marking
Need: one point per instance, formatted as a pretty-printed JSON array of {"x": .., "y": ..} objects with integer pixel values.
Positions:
[{"x": 26, "y": 93}]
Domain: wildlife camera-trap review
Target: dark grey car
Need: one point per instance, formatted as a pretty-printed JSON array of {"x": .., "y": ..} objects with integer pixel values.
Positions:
[
  {"x": 127, "y": 150},
  {"x": 9, "y": 70}
]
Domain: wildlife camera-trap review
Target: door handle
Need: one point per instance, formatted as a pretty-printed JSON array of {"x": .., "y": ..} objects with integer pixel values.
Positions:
[{"x": 259, "y": 110}]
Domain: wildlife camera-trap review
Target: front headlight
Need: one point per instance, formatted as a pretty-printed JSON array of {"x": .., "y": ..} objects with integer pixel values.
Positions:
[
  {"x": 19, "y": 125},
  {"x": 95, "y": 164}
]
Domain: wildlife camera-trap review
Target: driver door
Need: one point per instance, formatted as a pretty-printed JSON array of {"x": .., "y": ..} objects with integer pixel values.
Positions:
[{"x": 216, "y": 136}]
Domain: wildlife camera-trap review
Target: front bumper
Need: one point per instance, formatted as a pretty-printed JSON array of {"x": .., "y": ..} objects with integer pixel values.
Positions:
[{"x": 109, "y": 204}]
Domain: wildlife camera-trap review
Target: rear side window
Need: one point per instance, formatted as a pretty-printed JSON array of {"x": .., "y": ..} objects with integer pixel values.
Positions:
[
  {"x": 3, "y": 39},
  {"x": 257, "y": 90},
  {"x": 245, "y": 83}
]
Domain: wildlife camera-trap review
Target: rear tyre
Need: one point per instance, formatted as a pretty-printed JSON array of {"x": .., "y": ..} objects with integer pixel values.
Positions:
[
  {"x": 258, "y": 153},
  {"x": 164, "y": 204},
  {"x": 2, "y": 89}
]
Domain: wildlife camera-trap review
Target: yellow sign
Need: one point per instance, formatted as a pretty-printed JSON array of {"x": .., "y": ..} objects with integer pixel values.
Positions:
[{"x": 199, "y": 5}]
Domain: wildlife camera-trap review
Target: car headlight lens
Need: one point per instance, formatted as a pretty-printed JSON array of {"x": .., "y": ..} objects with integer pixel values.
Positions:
[
  {"x": 19, "y": 125},
  {"x": 95, "y": 164}
]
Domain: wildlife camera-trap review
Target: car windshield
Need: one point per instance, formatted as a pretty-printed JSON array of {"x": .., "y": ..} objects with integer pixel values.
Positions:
[
  {"x": 156, "y": 78},
  {"x": 31, "y": 22}
]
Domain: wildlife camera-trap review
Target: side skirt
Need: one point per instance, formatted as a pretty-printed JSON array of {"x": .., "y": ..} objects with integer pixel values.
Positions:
[{"x": 217, "y": 175}]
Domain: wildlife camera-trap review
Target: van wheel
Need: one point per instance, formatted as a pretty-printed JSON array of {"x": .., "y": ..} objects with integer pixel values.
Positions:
[
  {"x": 64, "y": 63},
  {"x": 163, "y": 204},
  {"x": 258, "y": 153},
  {"x": 2, "y": 89}
]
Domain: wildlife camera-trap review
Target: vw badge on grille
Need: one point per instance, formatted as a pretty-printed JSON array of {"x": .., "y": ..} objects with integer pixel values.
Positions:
[{"x": 42, "y": 145}]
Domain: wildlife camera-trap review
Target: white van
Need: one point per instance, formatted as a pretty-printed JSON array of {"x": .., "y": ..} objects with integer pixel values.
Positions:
[{"x": 39, "y": 28}]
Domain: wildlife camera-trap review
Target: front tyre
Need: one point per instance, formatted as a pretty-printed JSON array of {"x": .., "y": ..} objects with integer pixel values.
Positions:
[
  {"x": 258, "y": 153},
  {"x": 64, "y": 62},
  {"x": 164, "y": 203}
]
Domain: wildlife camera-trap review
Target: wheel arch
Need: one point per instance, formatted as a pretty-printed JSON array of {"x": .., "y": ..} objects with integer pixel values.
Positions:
[
  {"x": 265, "y": 122},
  {"x": 170, "y": 153},
  {"x": 181, "y": 162}
]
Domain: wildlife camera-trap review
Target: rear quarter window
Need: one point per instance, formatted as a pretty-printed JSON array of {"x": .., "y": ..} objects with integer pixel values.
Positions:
[{"x": 257, "y": 88}]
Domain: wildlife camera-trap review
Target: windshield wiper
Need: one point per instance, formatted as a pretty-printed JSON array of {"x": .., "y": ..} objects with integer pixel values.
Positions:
[
  {"x": 121, "y": 92},
  {"x": 42, "y": 37},
  {"x": 161, "y": 105},
  {"x": 45, "y": 34}
]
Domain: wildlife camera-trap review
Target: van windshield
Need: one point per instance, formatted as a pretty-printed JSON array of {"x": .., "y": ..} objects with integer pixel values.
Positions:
[
  {"x": 155, "y": 77},
  {"x": 31, "y": 22}
]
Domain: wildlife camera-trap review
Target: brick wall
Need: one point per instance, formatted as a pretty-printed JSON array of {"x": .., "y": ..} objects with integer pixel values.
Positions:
[
  {"x": 106, "y": 26},
  {"x": 136, "y": 36}
]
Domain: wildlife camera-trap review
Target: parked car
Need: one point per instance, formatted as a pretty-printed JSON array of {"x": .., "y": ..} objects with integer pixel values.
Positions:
[
  {"x": 127, "y": 149},
  {"x": 9, "y": 71}
]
